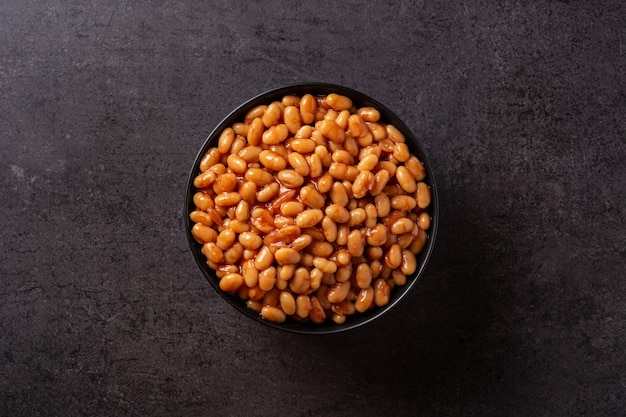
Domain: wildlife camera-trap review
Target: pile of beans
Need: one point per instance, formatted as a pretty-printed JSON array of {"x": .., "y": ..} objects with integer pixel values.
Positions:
[{"x": 311, "y": 208}]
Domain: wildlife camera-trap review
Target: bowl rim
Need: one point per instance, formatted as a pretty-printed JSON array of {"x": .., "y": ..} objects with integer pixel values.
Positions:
[{"x": 387, "y": 116}]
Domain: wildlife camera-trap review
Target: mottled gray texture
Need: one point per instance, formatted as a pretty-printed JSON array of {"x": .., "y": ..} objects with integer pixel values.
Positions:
[{"x": 520, "y": 105}]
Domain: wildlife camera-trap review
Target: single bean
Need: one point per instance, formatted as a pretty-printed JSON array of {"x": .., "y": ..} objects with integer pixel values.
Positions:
[
  {"x": 324, "y": 265},
  {"x": 226, "y": 139},
  {"x": 338, "y": 292},
  {"x": 275, "y": 134},
  {"x": 259, "y": 176},
  {"x": 225, "y": 183},
  {"x": 329, "y": 227},
  {"x": 255, "y": 132},
  {"x": 272, "y": 161},
  {"x": 416, "y": 168},
  {"x": 369, "y": 114},
  {"x": 317, "y": 314},
  {"x": 364, "y": 299},
  {"x": 339, "y": 194},
  {"x": 290, "y": 178},
  {"x": 332, "y": 131},
  {"x": 287, "y": 303},
  {"x": 303, "y": 145},
  {"x": 423, "y": 195},
  {"x": 272, "y": 114},
  {"x": 273, "y": 314},
  {"x": 315, "y": 165},
  {"x": 267, "y": 278},
  {"x": 203, "y": 234},
  {"x": 337, "y": 213},
  {"x": 393, "y": 257},
  {"x": 211, "y": 158},
  {"x": 356, "y": 243},
  {"x": 286, "y": 256},
  {"x": 301, "y": 280},
  {"x": 299, "y": 163},
  {"x": 227, "y": 199},
  {"x": 301, "y": 242},
  {"x": 308, "y": 108},
  {"x": 405, "y": 179},
  {"x": 231, "y": 282},
  {"x": 381, "y": 292},
  {"x": 424, "y": 220},
  {"x": 403, "y": 225},
  {"x": 357, "y": 216},
  {"x": 309, "y": 218},
  {"x": 380, "y": 181},
  {"x": 363, "y": 183},
  {"x": 250, "y": 240},
  {"x": 264, "y": 258},
  {"x": 403, "y": 202},
  {"x": 311, "y": 197},
  {"x": 268, "y": 192}
]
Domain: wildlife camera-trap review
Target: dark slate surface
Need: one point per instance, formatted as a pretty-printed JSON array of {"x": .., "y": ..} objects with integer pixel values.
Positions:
[{"x": 520, "y": 106}]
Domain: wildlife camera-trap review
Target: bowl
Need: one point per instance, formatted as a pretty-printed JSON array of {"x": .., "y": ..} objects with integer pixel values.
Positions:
[{"x": 359, "y": 99}]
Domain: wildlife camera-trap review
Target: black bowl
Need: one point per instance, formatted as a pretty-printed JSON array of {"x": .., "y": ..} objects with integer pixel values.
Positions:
[{"x": 360, "y": 100}]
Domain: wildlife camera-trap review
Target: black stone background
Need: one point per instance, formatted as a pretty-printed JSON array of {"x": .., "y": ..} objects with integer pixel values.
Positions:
[{"x": 520, "y": 106}]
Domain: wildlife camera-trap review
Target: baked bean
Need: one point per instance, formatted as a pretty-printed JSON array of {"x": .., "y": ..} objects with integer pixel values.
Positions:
[
  {"x": 357, "y": 217},
  {"x": 374, "y": 252},
  {"x": 324, "y": 265},
  {"x": 255, "y": 293},
  {"x": 329, "y": 228},
  {"x": 264, "y": 258},
  {"x": 268, "y": 192},
  {"x": 231, "y": 282},
  {"x": 338, "y": 102},
  {"x": 420, "y": 241},
  {"x": 226, "y": 139},
  {"x": 401, "y": 226},
  {"x": 356, "y": 126},
  {"x": 356, "y": 243},
  {"x": 381, "y": 292},
  {"x": 393, "y": 257},
  {"x": 248, "y": 191},
  {"x": 290, "y": 100},
  {"x": 275, "y": 134},
  {"x": 250, "y": 273},
  {"x": 303, "y": 306},
  {"x": 332, "y": 130},
  {"x": 324, "y": 155},
  {"x": 240, "y": 129},
  {"x": 338, "y": 292},
  {"x": 409, "y": 263},
  {"x": 204, "y": 179},
  {"x": 363, "y": 276},
  {"x": 287, "y": 303},
  {"x": 308, "y": 108},
  {"x": 273, "y": 314},
  {"x": 290, "y": 178},
  {"x": 272, "y": 160},
  {"x": 337, "y": 213},
  {"x": 406, "y": 179},
  {"x": 383, "y": 205},
  {"x": 343, "y": 172},
  {"x": 368, "y": 162},
  {"x": 423, "y": 195},
  {"x": 309, "y": 218},
  {"x": 344, "y": 273},
  {"x": 369, "y": 114},
  {"x": 250, "y": 240},
  {"x": 315, "y": 165},
  {"x": 301, "y": 280},
  {"x": 242, "y": 212},
  {"x": 311, "y": 197},
  {"x": 364, "y": 299},
  {"x": 227, "y": 199},
  {"x": 267, "y": 278},
  {"x": 303, "y": 145},
  {"x": 211, "y": 158},
  {"x": 254, "y": 113},
  {"x": 416, "y": 168},
  {"x": 272, "y": 114},
  {"x": 380, "y": 181},
  {"x": 233, "y": 254},
  {"x": 201, "y": 217},
  {"x": 363, "y": 183},
  {"x": 401, "y": 152},
  {"x": 203, "y": 234},
  {"x": 287, "y": 256},
  {"x": 403, "y": 202},
  {"x": 225, "y": 239},
  {"x": 203, "y": 201},
  {"x": 338, "y": 194},
  {"x": 291, "y": 208},
  {"x": 225, "y": 183},
  {"x": 377, "y": 236},
  {"x": 342, "y": 119},
  {"x": 255, "y": 132},
  {"x": 317, "y": 313},
  {"x": 250, "y": 153},
  {"x": 238, "y": 144},
  {"x": 301, "y": 242},
  {"x": 299, "y": 163},
  {"x": 343, "y": 157},
  {"x": 424, "y": 221},
  {"x": 259, "y": 176},
  {"x": 319, "y": 248}
]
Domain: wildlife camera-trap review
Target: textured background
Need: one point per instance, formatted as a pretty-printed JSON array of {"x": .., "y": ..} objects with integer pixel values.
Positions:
[{"x": 520, "y": 105}]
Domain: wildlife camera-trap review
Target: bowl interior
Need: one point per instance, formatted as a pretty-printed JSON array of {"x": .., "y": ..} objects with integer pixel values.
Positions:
[{"x": 360, "y": 100}]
